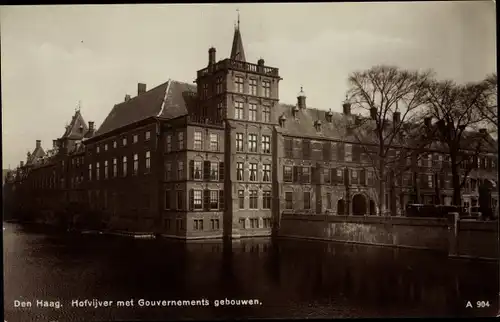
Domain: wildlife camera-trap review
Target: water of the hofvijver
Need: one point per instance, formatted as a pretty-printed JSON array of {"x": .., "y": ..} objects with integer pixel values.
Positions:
[{"x": 286, "y": 278}]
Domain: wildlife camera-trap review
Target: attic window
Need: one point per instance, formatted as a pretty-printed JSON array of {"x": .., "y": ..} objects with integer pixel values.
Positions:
[
  {"x": 81, "y": 128},
  {"x": 282, "y": 120},
  {"x": 295, "y": 110},
  {"x": 317, "y": 125}
]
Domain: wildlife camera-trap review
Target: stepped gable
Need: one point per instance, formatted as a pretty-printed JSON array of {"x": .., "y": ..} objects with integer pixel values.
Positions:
[{"x": 168, "y": 100}]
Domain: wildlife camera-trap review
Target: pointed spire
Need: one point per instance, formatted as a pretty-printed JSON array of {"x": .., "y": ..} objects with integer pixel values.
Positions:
[{"x": 237, "y": 51}]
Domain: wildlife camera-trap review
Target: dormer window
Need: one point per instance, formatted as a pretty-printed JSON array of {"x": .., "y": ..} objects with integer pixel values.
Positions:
[
  {"x": 282, "y": 120},
  {"x": 329, "y": 116},
  {"x": 295, "y": 111},
  {"x": 317, "y": 125}
]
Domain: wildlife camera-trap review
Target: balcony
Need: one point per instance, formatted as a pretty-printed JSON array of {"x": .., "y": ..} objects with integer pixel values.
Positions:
[
  {"x": 239, "y": 65},
  {"x": 203, "y": 120}
]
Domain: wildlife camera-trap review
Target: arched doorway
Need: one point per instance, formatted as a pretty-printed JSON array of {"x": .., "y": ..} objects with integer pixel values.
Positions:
[
  {"x": 373, "y": 209},
  {"x": 340, "y": 207},
  {"x": 359, "y": 205}
]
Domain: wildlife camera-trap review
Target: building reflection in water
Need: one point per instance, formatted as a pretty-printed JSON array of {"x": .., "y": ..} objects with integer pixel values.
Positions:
[{"x": 292, "y": 278}]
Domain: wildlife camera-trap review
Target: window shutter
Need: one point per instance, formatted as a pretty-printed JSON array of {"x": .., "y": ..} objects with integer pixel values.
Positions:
[
  {"x": 327, "y": 151},
  {"x": 206, "y": 170},
  {"x": 295, "y": 174},
  {"x": 313, "y": 175},
  {"x": 340, "y": 151},
  {"x": 191, "y": 169},
  {"x": 363, "y": 177},
  {"x": 221, "y": 200},
  {"x": 206, "y": 200},
  {"x": 346, "y": 176},
  {"x": 300, "y": 174},
  {"x": 221, "y": 171},
  {"x": 191, "y": 199}
]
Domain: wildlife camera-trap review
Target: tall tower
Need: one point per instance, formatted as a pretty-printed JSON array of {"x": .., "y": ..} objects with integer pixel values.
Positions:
[{"x": 242, "y": 96}]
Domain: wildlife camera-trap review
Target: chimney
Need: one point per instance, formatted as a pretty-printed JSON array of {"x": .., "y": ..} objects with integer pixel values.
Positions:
[
  {"x": 127, "y": 98},
  {"x": 54, "y": 143},
  {"x": 38, "y": 144},
  {"x": 427, "y": 121},
  {"x": 22, "y": 163},
  {"x": 141, "y": 89},
  {"x": 91, "y": 126},
  {"x": 396, "y": 118},
  {"x": 211, "y": 56},
  {"x": 373, "y": 113},
  {"x": 301, "y": 99}
]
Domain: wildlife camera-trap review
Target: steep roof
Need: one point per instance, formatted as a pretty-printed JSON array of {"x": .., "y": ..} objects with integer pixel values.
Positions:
[
  {"x": 77, "y": 128},
  {"x": 237, "y": 51},
  {"x": 168, "y": 100}
]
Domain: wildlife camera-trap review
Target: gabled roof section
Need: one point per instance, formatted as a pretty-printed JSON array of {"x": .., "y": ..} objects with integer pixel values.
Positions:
[
  {"x": 36, "y": 155},
  {"x": 168, "y": 100},
  {"x": 237, "y": 51},
  {"x": 77, "y": 127}
]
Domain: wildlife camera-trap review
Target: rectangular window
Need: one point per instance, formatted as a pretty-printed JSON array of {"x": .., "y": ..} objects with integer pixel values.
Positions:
[
  {"x": 115, "y": 167},
  {"x": 168, "y": 143},
  {"x": 266, "y": 144},
  {"x": 220, "y": 110},
  {"x": 326, "y": 176},
  {"x": 105, "y": 149},
  {"x": 239, "y": 171},
  {"x": 124, "y": 166},
  {"x": 266, "y": 85},
  {"x": 253, "y": 86},
  {"x": 253, "y": 199},
  {"x": 239, "y": 142},
  {"x": 197, "y": 199},
  {"x": 97, "y": 149},
  {"x": 198, "y": 142},
  {"x": 306, "y": 175},
  {"x": 136, "y": 164},
  {"x": 205, "y": 90},
  {"x": 167, "y": 199},
  {"x": 148, "y": 161},
  {"x": 430, "y": 180},
  {"x": 288, "y": 200},
  {"x": 328, "y": 200},
  {"x": 198, "y": 224},
  {"x": 197, "y": 170},
  {"x": 241, "y": 199},
  {"x": 168, "y": 171},
  {"x": 147, "y": 135},
  {"x": 214, "y": 171},
  {"x": 106, "y": 169},
  {"x": 287, "y": 173},
  {"x": 124, "y": 142},
  {"x": 97, "y": 171},
  {"x": 253, "y": 171},
  {"x": 214, "y": 224},
  {"x": 218, "y": 87},
  {"x": 252, "y": 142},
  {"x": 307, "y": 200},
  {"x": 288, "y": 143},
  {"x": 340, "y": 176},
  {"x": 239, "y": 84},
  {"x": 135, "y": 138},
  {"x": 180, "y": 200},
  {"x": 266, "y": 114},
  {"x": 214, "y": 199},
  {"x": 214, "y": 142},
  {"x": 252, "y": 112},
  {"x": 238, "y": 110},
  {"x": 348, "y": 152},
  {"x": 266, "y": 175},
  {"x": 180, "y": 140},
  {"x": 90, "y": 172},
  {"x": 180, "y": 170},
  {"x": 266, "y": 200}
]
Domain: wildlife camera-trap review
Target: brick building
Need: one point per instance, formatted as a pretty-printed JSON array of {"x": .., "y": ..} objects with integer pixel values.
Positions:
[{"x": 222, "y": 157}]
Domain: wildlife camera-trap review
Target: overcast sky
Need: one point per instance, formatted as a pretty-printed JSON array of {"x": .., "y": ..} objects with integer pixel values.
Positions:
[{"x": 54, "y": 56}]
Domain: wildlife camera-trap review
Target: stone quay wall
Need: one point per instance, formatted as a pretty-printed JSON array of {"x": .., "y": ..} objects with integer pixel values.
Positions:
[{"x": 458, "y": 238}]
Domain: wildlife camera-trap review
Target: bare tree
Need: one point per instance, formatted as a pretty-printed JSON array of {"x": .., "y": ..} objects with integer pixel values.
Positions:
[
  {"x": 456, "y": 108},
  {"x": 488, "y": 106},
  {"x": 394, "y": 99}
]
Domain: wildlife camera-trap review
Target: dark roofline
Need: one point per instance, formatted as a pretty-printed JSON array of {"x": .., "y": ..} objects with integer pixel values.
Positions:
[{"x": 116, "y": 131}]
